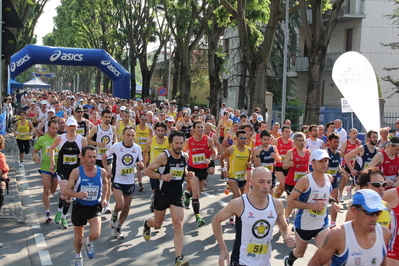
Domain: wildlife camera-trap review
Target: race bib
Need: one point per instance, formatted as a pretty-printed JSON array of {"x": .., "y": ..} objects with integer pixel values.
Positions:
[
  {"x": 322, "y": 212},
  {"x": 240, "y": 175},
  {"x": 48, "y": 150},
  {"x": 102, "y": 151},
  {"x": 269, "y": 166},
  {"x": 23, "y": 135},
  {"x": 366, "y": 164},
  {"x": 142, "y": 140},
  {"x": 198, "y": 158},
  {"x": 255, "y": 248},
  {"x": 282, "y": 157},
  {"x": 332, "y": 171},
  {"x": 298, "y": 175},
  {"x": 70, "y": 159},
  {"x": 80, "y": 131},
  {"x": 92, "y": 192},
  {"x": 127, "y": 171},
  {"x": 177, "y": 173}
]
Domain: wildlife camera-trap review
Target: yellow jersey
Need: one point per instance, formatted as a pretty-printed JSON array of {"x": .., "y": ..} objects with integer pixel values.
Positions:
[
  {"x": 156, "y": 149},
  {"x": 142, "y": 136},
  {"x": 119, "y": 133},
  {"x": 238, "y": 163},
  {"x": 23, "y": 130}
]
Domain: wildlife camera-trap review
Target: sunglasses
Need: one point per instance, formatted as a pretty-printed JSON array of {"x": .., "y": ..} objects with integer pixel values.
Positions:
[
  {"x": 378, "y": 184},
  {"x": 242, "y": 138},
  {"x": 79, "y": 112},
  {"x": 370, "y": 213}
]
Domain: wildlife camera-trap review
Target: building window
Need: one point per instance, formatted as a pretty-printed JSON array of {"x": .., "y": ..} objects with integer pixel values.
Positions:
[{"x": 349, "y": 38}]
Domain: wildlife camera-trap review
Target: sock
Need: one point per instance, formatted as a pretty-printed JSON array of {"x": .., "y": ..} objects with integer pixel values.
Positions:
[
  {"x": 332, "y": 224},
  {"x": 140, "y": 184},
  {"x": 145, "y": 225},
  {"x": 196, "y": 206},
  {"x": 47, "y": 211},
  {"x": 88, "y": 241},
  {"x": 66, "y": 208},
  {"x": 114, "y": 217},
  {"x": 78, "y": 256},
  {"x": 178, "y": 257},
  {"x": 63, "y": 216},
  {"x": 119, "y": 226},
  {"x": 292, "y": 258},
  {"x": 61, "y": 202}
]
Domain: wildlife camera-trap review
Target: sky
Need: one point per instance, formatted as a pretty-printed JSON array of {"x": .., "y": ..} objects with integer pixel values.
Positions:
[{"x": 45, "y": 23}]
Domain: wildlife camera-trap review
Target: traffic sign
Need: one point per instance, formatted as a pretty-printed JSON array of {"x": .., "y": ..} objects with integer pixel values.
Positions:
[
  {"x": 69, "y": 84},
  {"x": 161, "y": 98},
  {"x": 162, "y": 91}
]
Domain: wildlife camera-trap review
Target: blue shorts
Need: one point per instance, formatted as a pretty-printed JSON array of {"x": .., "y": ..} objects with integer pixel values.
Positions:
[
  {"x": 241, "y": 183},
  {"x": 47, "y": 173}
]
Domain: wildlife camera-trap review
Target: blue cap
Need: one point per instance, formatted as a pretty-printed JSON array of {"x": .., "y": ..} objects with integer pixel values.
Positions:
[{"x": 369, "y": 199}]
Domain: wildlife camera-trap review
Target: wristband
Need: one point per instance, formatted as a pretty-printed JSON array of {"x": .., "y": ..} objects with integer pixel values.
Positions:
[
  {"x": 160, "y": 176},
  {"x": 331, "y": 200}
]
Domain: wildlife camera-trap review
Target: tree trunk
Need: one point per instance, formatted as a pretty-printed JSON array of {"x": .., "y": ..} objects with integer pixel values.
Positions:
[
  {"x": 314, "y": 87},
  {"x": 185, "y": 78},
  {"x": 242, "y": 86},
  {"x": 98, "y": 81},
  {"x": 214, "y": 66}
]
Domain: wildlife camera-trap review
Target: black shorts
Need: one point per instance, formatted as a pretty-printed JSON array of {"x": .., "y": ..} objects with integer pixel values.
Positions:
[
  {"x": 202, "y": 174},
  {"x": 346, "y": 168},
  {"x": 82, "y": 213},
  {"x": 307, "y": 235},
  {"x": 288, "y": 188},
  {"x": 241, "y": 183},
  {"x": 62, "y": 176},
  {"x": 100, "y": 162},
  {"x": 280, "y": 169},
  {"x": 162, "y": 202},
  {"x": 221, "y": 139},
  {"x": 212, "y": 164},
  {"x": 23, "y": 145},
  {"x": 127, "y": 189}
]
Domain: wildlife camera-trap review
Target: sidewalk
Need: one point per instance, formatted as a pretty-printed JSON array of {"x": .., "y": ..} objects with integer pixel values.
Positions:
[{"x": 12, "y": 208}]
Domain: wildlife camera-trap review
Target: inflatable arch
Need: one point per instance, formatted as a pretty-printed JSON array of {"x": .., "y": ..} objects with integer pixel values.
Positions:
[{"x": 34, "y": 54}]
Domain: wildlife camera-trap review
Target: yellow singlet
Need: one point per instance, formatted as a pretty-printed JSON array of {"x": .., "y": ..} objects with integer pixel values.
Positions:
[
  {"x": 238, "y": 163},
  {"x": 23, "y": 130},
  {"x": 156, "y": 149},
  {"x": 119, "y": 133},
  {"x": 142, "y": 136},
  {"x": 384, "y": 219},
  {"x": 227, "y": 126}
]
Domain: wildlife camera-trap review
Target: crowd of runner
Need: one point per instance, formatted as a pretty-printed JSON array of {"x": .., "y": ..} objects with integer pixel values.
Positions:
[{"x": 93, "y": 147}]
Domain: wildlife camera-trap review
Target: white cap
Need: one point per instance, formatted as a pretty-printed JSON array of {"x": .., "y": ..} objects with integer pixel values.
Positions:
[
  {"x": 122, "y": 108},
  {"x": 71, "y": 121},
  {"x": 319, "y": 155},
  {"x": 44, "y": 102},
  {"x": 369, "y": 199},
  {"x": 170, "y": 119},
  {"x": 51, "y": 110}
]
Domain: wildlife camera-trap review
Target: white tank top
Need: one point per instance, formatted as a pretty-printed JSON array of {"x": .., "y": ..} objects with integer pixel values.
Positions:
[
  {"x": 106, "y": 136},
  {"x": 307, "y": 219},
  {"x": 355, "y": 255},
  {"x": 254, "y": 232}
]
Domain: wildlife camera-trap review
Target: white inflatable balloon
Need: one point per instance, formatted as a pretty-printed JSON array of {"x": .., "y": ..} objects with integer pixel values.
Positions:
[{"x": 356, "y": 79}]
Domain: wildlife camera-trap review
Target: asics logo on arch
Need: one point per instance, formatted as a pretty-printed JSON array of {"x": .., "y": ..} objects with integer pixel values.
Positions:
[
  {"x": 65, "y": 57},
  {"x": 111, "y": 67}
]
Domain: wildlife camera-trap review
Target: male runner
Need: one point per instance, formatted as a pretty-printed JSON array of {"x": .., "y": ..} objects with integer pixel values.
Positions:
[
  {"x": 88, "y": 184},
  {"x": 69, "y": 147},
  {"x": 283, "y": 144},
  {"x": 171, "y": 173},
  {"x": 49, "y": 180},
  {"x": 239, "y": 157},
  {"x": 361, "y": 241},
  {"x": 155, "y": 146},
  {"x": 102, "y": 137},
  {"x": 256, "y": 214},
  {"x": 201, "y": 151},
  {"x": 83, "y": 127},
  {"x": 310, "y": 196},
  {"x": 126, "y": 153}
]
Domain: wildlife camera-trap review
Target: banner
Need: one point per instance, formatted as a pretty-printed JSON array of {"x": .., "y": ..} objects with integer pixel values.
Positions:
[
  {"x": 3, "y": 123},
  {"x": 355, "y": 78},
  {"x": 345, "y": 106}
]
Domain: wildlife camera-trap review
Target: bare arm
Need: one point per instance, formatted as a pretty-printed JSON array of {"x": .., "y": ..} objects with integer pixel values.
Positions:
[
  {"x": 282, "y": 224},
  {"x": 357, "y": 151},
  {"x": 145, "y": 152},
  {"x": 287, "y": 160},
  {"x": 56, "y": 142},
  {"x": 334, "y": 243}
]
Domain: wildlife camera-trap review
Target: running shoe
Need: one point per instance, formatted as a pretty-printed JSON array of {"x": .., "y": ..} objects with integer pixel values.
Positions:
[
  {"x": 64, "y": 223},
  {"x": 57, "y": 217},
  {"x": 48, "y": 218},
  {"x": 200, "y": 222},
  {"x": 152, "y": 203},
  {"x": 79, "y": 261},
  {"x": 89, "y": 249},
  {"x": 106, "y": 210},
  {"x": 21, "y": 164},
  {"x": 181, "y": 261},
  {"x": 146, "y": 231},
  {"x": 141, "y": 189},
  {"x": 231, "y": 220},
  {"x": 118, "y": 234},
  {"x": 287, "y": 261},
  {"x": 349, "y": 192}
]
